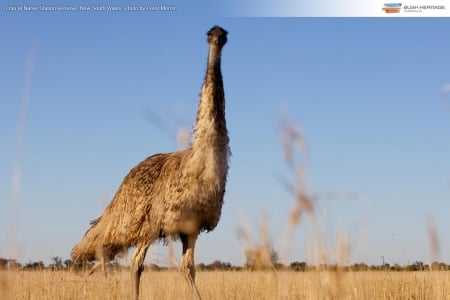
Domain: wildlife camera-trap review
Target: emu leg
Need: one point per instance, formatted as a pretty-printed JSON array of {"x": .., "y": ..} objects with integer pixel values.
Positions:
[
  {"x": 98, "y": 264},
  {"x": 187, "y": 265},
  {"x": 137, "y": 266}
]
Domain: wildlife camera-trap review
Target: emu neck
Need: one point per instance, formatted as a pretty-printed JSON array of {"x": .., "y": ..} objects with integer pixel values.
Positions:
[{"x": 210, "y": 128}]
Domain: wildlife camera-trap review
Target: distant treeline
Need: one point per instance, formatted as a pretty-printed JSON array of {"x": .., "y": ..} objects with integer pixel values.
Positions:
[{"x": 57, "y": 263}]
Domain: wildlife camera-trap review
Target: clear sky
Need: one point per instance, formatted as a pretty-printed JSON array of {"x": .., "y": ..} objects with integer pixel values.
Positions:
[{"x": 108, "y": 89}]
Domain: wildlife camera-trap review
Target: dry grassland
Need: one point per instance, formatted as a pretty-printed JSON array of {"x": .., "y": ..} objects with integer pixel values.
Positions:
[{"x": 228, "y": 285}]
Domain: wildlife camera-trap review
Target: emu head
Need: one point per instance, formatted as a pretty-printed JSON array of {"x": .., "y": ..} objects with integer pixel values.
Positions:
[{"x": 217, "y": 36}]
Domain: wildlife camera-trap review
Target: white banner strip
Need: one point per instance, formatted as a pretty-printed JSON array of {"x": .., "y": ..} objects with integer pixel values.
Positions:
[{"x": 336, "y": 8}]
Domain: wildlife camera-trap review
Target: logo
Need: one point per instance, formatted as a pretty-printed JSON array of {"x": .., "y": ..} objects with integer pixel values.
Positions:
[{"x": 392, "y": 8}]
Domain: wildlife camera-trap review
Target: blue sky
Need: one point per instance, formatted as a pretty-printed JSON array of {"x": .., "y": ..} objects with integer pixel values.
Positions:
[{"x": 366, "y": 94}]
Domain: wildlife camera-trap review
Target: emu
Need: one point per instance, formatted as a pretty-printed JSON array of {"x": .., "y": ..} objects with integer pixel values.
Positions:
[{"x": 172, "y": 195}]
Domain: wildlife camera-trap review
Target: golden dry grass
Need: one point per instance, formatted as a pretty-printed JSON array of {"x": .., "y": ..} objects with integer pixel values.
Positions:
[{"x": 228, "y": 285}]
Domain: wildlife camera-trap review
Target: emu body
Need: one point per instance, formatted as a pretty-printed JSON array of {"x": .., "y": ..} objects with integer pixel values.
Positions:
[{"x": 171, "y": 195}]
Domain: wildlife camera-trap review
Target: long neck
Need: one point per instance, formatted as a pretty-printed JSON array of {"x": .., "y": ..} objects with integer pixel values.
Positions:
[{"x": 210, "y": 128}]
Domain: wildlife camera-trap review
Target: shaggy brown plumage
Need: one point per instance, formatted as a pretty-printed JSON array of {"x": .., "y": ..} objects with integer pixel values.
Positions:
[{"x": 175, "y": 195}]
